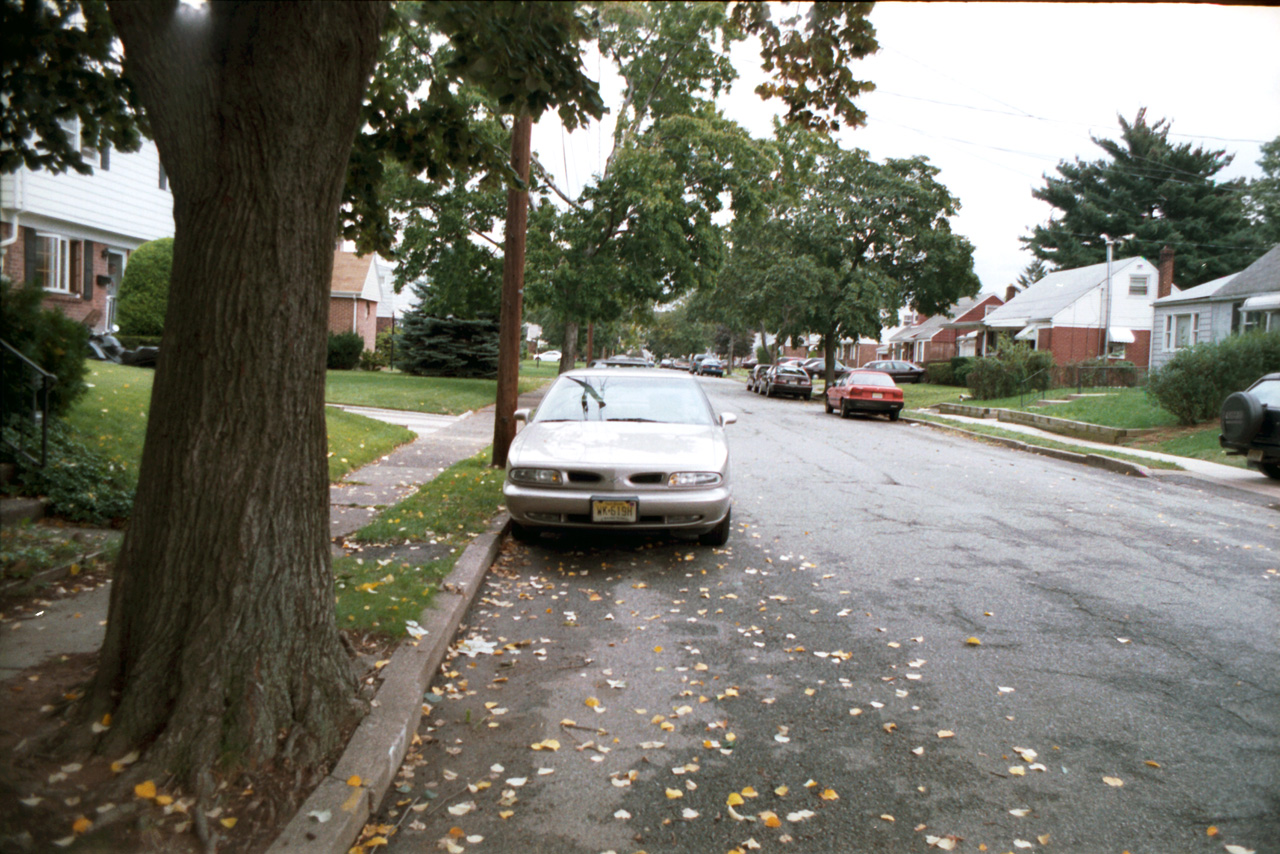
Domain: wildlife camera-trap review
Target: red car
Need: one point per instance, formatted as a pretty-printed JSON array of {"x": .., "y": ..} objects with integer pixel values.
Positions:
[{"x": 865, "y": 391}]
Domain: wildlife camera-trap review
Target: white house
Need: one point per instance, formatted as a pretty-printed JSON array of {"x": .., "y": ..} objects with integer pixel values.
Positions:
[{"x": 74, "y": 233}]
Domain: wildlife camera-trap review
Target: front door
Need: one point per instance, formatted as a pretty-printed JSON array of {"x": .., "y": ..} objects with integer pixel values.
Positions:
[{"x": 115, "y": 269}]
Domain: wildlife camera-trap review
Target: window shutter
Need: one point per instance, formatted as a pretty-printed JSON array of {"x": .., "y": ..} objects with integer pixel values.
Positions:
[
  {"x": 87, "y": 250},
  {"x": 104, "y": 157},
  {"x": 30, "y": 255}
]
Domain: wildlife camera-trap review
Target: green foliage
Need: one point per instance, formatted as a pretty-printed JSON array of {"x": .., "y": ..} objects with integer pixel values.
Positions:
[
  {"x": 763, "y": 356},
  {"x": 1195, "y": 382},
  {"x": 1013, "y": 369},
  {"x": 344, "y": 351},
  {"x": 81, "y": 484},
  {"x": 355, "y": 440},
  {"x": 144, "y": 291},
  {"x": 1159, "y": 192},
  {"x": 449, "y": 346},
  {"x": 133, "y": 342},
  {"x": 1032, "y": 273},
  {"x": 385, "y": 343},
  {"x": 1264, "y": 194},
  {"x": 369, "y": 361},
  {"x": 61, "y": 65},
  {"x": 45, "y": 336},
  {"x": 960, "y": 367},
  {"x": 1101, "y": 373},
  {"x": 939, "y": 373}
]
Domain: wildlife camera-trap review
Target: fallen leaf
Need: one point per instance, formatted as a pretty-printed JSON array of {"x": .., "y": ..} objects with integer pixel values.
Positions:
[
  {"x": 688, "y": 814},
  {"x": 1113, "y": 781},
  {"x": 622, "y": 815},
  {"x": 886, "y": 817},
  {"x": 973, "y": 642},
  {"x": 770, "y": 819},
  {"x": 829, "y": 795},
  {"x": 1238, "y": 849},
  {"x": 1020, "y": 813},
  {"x": 591, "y": 702},
  {"x": 946, "y": 733},
  {"x": 734, "y": 800},
  {"x": 145, "y": 790},
  {"x": 781, "y": 791},
  {"x": 1153, "y": 764},
  {"x": 749, "y": 792},
  {"x": 1212, "y": 831},
  {"x": 462, "y": 809},
  {"x": 1043, "y": 840},
  {"x": 672, "y": 794},
  {"x": 228, "y": 822},
  {"x": 1022, "y": 843},
  {"x": 353, "y": 780},
  {"x": 918, "y": 751},
  {"x": 1018, "y": 771},
  {"x": 81, "y": 825}
]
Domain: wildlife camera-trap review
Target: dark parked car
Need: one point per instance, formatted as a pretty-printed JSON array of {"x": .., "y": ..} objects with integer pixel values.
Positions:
[
  {"x": 711, "y": 366},
  {"x": 788, "y": 379},
  {"x": 902, "y": 372},
  {"x": 864, "y": 391},
  {"x": 1251, "y": 425},
  {"x": 817, "y": 367}
]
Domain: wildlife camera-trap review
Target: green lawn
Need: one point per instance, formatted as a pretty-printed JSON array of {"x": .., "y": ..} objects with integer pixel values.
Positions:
[
  {"x": 1125, "y": 407},
  {"x": 924, "y": 395},
  {"x": 1199, "y": 442},
  {"x": 443, "y": 395}
]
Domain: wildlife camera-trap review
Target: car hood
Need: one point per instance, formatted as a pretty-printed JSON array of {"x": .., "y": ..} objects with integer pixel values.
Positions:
[{"x": 669, "y": 447}]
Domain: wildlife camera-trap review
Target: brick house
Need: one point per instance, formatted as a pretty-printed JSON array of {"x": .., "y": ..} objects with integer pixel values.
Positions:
[
  {"x": 1064, "y": 312},
  {"x": 74, "y": 233},
  {"x": 354, "y": 294},
  {"x": 937, "y": 338}
]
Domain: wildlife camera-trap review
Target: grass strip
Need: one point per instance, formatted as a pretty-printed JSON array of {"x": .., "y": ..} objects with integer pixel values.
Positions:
[
  {"x": 445, "y": 514},
  {"x": 355, "y": 441},
  {"x": 1039, "y": 442}
]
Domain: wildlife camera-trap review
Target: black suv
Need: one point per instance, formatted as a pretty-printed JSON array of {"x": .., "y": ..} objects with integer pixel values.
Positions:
[{"x": 1251, "y": 425}]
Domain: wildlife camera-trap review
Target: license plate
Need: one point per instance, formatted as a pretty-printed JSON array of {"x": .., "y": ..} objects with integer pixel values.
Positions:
[
  {"x": 1255, "y": 456},
  {"x": 613, "y": 510},
  {"x": 877, "y": 395}
]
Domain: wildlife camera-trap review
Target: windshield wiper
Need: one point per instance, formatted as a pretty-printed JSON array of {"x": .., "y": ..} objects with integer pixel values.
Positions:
[
  {"x": 588, "y": 389},
  {"x": 649, "y": 420}
]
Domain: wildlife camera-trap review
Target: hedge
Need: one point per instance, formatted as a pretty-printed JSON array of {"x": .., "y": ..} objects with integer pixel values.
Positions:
[{"x": 1195, "y": 382}]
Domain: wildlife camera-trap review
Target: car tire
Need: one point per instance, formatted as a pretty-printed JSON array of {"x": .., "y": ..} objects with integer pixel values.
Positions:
[
  {"x": 1241, "y": 417},
  {"x": 768, "y": 390},
  {"x": 523, "y": 533},
  {"x": 719, "y": 535},
  {"x": 845, "y": 411},
  {"x": 826, "y": 404},
  {"x": 809, "y": 396},
  {"x": 1271, "y": 470},
  {"x": 893, "y": 414}
]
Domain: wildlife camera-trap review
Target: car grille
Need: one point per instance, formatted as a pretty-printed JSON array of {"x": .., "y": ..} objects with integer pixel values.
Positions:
[{"x": 584, "y": 477}]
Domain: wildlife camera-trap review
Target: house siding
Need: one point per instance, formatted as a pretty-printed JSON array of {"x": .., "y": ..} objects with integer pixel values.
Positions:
[
  {"x": 354, "y": 315},
  {"x": 1081, "y": 343}
]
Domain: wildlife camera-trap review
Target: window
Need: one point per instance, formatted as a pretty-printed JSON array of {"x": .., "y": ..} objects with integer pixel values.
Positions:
[
  {"x": 1180, "y": 330},
  {"x": 53, "y": 262},
  {"x": 1259, "y": 321},
  {"x": 1138, "y": 285}
]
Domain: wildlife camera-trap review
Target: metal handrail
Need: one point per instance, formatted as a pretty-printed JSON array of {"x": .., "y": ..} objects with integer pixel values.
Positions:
[
  {"x": 41, "y": 383},
  {"x": 1026, "y": 383}
]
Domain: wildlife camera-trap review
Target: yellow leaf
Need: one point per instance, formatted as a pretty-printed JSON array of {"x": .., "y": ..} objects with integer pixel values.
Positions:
[
  {"x": 945, "y": 733},
  {"x": 829, "y": 795},
  {"x": 1113, "y": 781},
  {"x": 1018, "y": 771},
  {"x": 145, "y": 790},
  {"x": 734, "y": 800},
  {"x": 1212, "y": 831},
  {"x": 163, "y": 800},
  {"x": 657, "y": 649},
  {"x": 886, "y": 817},
  {"x": 228, "y": 822},
  {"x": 592, "y": 702},
  {"x": 672, "y": 794},
  {"x": 1153, "y": 764},
  {"x": 781, "y": 791},
  {"x": 377, "y": 842},
  {"x": 973, "y": 642},
  {"x": 353, "y": 780},
  {"x": 1043, "y": 840},
  {"x": 81, "y": 825},
  {"x": 506, "y": 814},
  {"x": 770, "y": 819},
  {"x": 106, "y": 719},
  {"x": 749, "y": 792}
]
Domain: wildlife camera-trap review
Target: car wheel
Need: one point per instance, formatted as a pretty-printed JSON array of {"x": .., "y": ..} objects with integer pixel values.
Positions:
[
  {"x": 826, "y": 404},
  {"x": 845, "y": 411},
  {"x": 768, "y": 390},
  {"x": 893, "y": 414},
  {"x": 1241, "y": 417},
  {"x": 1271, "y": 470},
  {"x": 809, "y": 396},
  {"x": 719, "y": 535},
  {"x": 523, "y": 533}
]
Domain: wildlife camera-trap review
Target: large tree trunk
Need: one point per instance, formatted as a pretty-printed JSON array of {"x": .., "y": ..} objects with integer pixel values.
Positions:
[
  {"x": 504, "y": 422},
  {"x": 221, "y": 644},
  {"x": 569, "y": 350}
]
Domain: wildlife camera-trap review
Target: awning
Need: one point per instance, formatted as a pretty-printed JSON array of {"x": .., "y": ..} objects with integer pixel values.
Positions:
[
  {"x": 1121, "y": 335},
  {"x": 1262, "y": 302},
  {"x": 968, "y": 336},
  {"x": 1029, "y": 333}
]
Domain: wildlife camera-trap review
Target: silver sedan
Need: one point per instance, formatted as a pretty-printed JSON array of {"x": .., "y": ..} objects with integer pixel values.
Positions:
[{"x": 638, "y": 450}]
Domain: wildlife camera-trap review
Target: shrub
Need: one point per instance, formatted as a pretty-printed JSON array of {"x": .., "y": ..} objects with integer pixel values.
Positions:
[
  {"x": 45, "y": 336},
  {"x": 133, "y": 342},
  {"x": 344, "y": 350},
  {"x": 763, "y": 356},
  {"x": 449, "y": 347},
  {"x": 369, "y": 361},
  {"x": 81, "y": 484},
  {"x": 385, "y": 344},
  {"x": 939, "y": 373},
  {"x": 1195, "y": 382},
  {"x": 1100, "y": 373},
  {"x": 960, "y": 367},
  {"x": 1013, "y": 369},
  {"x": 144, "y": 291}
]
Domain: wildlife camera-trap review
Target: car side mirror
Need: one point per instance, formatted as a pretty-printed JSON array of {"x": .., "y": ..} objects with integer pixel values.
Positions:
[
  {"x": 521, "y": 415},
  {"x": 727, "y": 418}
]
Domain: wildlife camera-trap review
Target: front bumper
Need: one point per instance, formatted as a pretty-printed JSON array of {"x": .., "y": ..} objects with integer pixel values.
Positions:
[{"x": 695, "y": 510}]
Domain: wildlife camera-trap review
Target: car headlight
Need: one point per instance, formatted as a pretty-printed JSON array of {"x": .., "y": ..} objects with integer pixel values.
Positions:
[
  {"x": 694, "y": 478},
  {"x": 536, "y": 477}
]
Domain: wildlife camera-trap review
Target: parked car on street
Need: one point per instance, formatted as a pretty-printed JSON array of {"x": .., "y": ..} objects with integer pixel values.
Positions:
[
  {"x": 788, "y": 379},
  {"x": 1251, "y": 425},
  {"x": 621, "y": 451},
  {"x": 623, "y": 362},
  {"x": 755, "y": 380},
  {"x": 902, "y": 372},
  {"x": 548, "y": 356},
  {"x": 817, "y": 367},
  {"x": 711, "y": 366},
  {"x": 864, "y": 391}
]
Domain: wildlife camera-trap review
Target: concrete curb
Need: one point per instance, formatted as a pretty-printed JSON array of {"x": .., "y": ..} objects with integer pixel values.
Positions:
[
  {"x": 380, "y": 742},
  {"x": 1094, "y": 460}
]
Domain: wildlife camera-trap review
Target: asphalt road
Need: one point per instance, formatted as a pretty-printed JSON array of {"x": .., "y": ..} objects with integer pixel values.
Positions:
[{"x": 1122, "y": 695}]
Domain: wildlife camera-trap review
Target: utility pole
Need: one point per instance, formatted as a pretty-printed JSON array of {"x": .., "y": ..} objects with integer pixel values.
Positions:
[
  {"x": 509, "y": 322},
  {"x": 1106, "y": 305}
]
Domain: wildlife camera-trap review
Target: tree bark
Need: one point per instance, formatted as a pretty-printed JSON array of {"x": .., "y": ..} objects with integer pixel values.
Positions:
[
  {"x": 221, "y": 645},
  {"x": 569, "y": 350},
  {"x": 504, "y": 422}
]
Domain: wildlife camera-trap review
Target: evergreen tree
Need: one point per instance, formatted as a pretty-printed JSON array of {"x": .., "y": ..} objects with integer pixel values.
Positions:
[
  {"x": 1264, "y": 193},
  {"x": 448, "y": 346},
  {"x": 1161, "y": 193},
  {"x": 1032, "y": 273}
]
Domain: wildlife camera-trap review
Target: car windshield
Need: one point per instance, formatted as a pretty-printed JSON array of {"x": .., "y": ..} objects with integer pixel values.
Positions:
[
  {"x": 792, "y": 372},
  {"x": 1267, "y": 392},
  {"x": 868, "y": 378},
  {"x": 668, "y": 400}
]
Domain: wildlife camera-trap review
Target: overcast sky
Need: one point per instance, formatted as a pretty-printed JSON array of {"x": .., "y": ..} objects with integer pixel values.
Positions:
[{"x": 996, "y": 94}]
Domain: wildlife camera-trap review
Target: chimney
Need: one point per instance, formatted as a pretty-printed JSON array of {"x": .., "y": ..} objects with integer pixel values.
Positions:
[
  {"x": 1165, "y": 287},
  {"x": 1010, "y": 292}
]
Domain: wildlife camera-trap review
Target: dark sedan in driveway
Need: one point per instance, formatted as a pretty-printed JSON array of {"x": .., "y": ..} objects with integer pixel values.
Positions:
[
  {"x": 1251, "y": 425},
  {"x": 902, "y": 372},
  {"x": 865, "y": 391}
]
